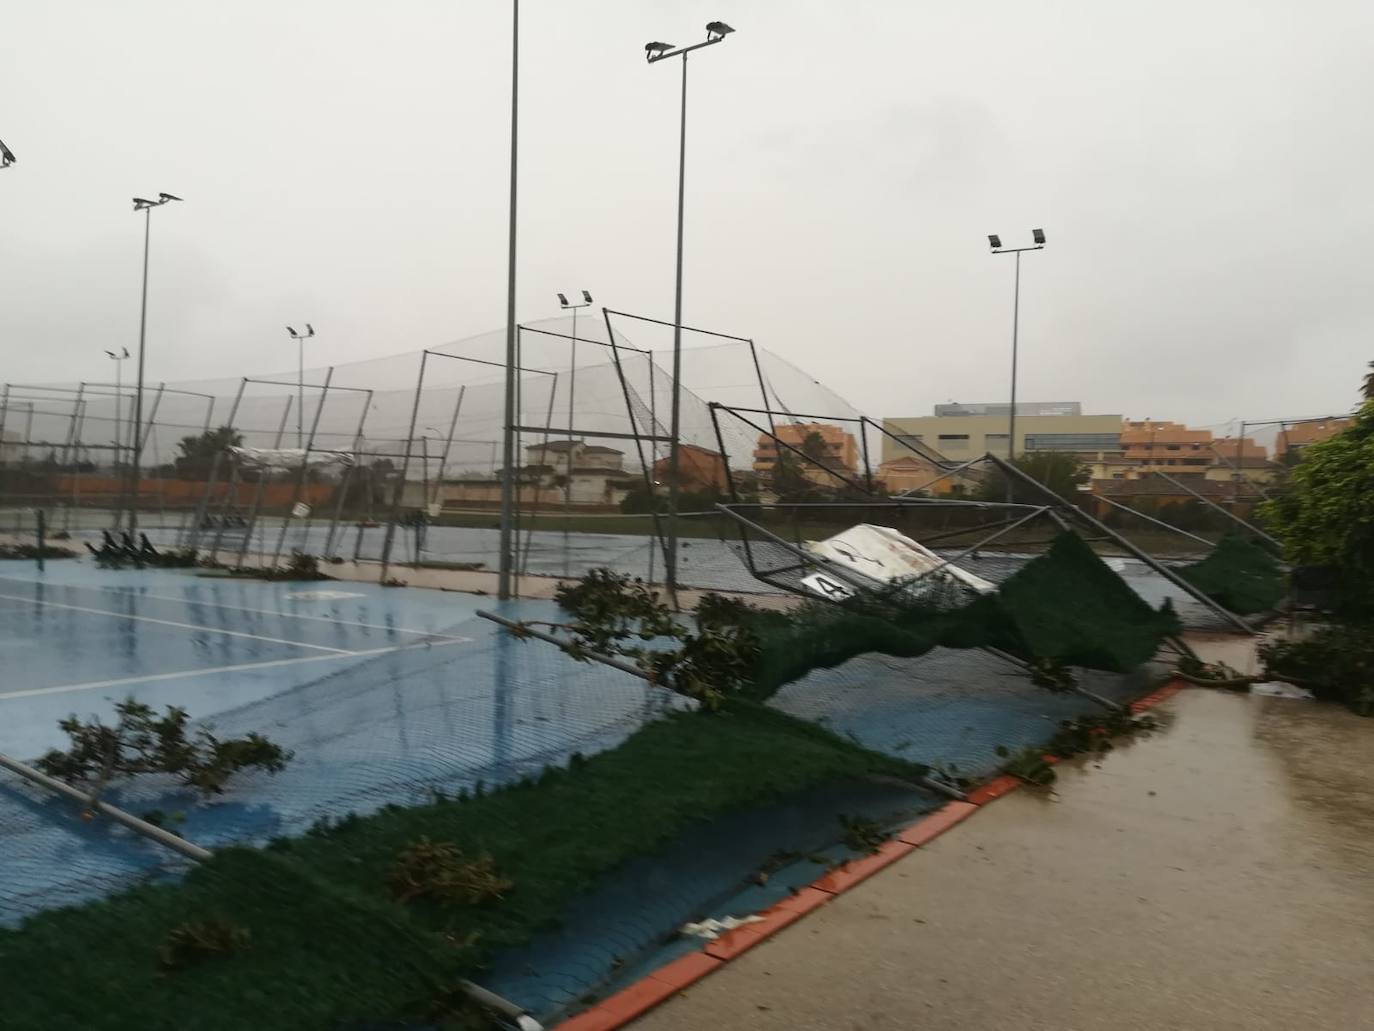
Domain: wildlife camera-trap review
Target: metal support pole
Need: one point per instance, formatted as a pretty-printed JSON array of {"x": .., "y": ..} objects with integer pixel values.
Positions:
[
  {"x": 674, "y": 445},
  {"x": 1015, "y": 328},
  {"x": 1011, "y": 471},
  {"x": 638, "y": 439},
  {"x": 1156, "y": 522},
  {"x": 507, "y": 558},
  {"x": 347, "y": 478},
  {"x": 138, "y": 394},
  {"x": 763, "y": 389},
  {"x": 1229, "y": 515},
  {"x": 448, "y": 444},
  {"x": 305, "y": 471},
  {"x": 193, "y": 538},
  {"x": 398, "y": 494},
  {"x": 148, "y": 830}
]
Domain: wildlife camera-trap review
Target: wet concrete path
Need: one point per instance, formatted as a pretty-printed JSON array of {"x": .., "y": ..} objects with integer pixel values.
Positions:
[{"x": 1217, "y": 875}]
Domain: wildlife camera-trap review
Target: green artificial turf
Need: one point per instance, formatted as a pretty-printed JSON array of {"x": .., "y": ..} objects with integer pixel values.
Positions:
[
  {"x": 1239, "y": 575},
  {"x": 329, "y": 948}
]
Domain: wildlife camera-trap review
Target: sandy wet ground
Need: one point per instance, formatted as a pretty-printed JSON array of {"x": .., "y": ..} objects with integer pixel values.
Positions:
[{"x": 1218, "y": 875}]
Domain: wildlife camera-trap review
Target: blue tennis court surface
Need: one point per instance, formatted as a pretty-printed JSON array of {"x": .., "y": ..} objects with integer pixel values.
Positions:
[
  {"x": 77, "y": 638},
  {"x": 384, "y": 696}
]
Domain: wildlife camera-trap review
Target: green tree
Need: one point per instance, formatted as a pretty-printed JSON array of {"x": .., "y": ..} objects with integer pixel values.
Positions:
[
  {"x": 198, "y": 451},
  {"x": 1061, "y": 473},
  {"x": 1367, "y": 389},
  {"x": 1325, "y": 512}
]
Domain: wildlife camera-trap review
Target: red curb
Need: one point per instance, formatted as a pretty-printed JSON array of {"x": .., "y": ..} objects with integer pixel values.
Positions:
[
  {"x": 1164, "y": 693},
  {"x": 995, "y": 788},
  {"x": 804, "y": 901},
  {"x": 928, "y": 828},
  {"x": 732, "y": 943},
  {"x": 685, "y": 970},
  {"x": 851, "y": 873}
]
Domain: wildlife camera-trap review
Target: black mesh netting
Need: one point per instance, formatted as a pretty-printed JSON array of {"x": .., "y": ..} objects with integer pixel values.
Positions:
[
  {"x": 1066, "y": 605},
  {"x": 1239, "y": 575}
]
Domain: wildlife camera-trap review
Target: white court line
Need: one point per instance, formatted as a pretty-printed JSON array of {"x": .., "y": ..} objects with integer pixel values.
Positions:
[
  {"x": 91, "y": 685},
  {"x": 134, "y": 592},
  {"x": 183, "y": 626}
]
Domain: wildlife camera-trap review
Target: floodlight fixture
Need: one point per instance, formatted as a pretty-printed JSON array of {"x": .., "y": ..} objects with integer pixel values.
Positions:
[
  {"x": 995, "y": 240},
  {"x": 300, "y": 339},
  {"x": 563, "y": 302},
  {"x": 6, "y": 155},
  {"x": 1038, "y": 235},
  {"x": 717, "y": 30},
  {"x": 654, "y": 51},
  {"x": 165, "y": 197}
]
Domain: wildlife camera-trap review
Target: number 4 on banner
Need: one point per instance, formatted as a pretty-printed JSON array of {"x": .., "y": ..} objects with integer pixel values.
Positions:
[{"x": 827, "y": 587}]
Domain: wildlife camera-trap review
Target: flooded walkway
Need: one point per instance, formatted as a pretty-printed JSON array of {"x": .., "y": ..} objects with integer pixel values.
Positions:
[{"x": 1217, "y": 875}]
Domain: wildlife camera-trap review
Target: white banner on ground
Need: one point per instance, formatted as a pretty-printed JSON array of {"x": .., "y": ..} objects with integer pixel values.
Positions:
[{"x": 881, "y": 553}]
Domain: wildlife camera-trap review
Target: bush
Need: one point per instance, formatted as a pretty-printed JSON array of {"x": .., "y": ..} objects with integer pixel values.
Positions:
[
  {"x": 144, "y": 743},
  {"x": 1325, "y": 512},
  {"x": 437, "y": 871},
  {"x": 1336, "y": 664}
]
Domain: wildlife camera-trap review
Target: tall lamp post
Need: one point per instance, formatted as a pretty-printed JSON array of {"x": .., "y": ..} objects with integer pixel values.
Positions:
[
  {"x": 300, "y": 339},
  {"x": 119, "y": 360},
  {"x": 145, "y": 206},
  {"x": 564, "y": 303},
  {"x": 506, "y": 563},
  {"x": 656, "y": 52},
  {"x": 1038, "y": 238}
]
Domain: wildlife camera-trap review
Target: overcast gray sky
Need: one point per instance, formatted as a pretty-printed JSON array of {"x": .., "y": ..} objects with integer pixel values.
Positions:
[{"x": 1201, "y": 170}]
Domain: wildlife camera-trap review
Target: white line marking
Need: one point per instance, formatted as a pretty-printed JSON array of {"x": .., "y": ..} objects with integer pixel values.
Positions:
[
  {"x": 183, "y": 626},
  {"x": 65, "y": 688},
  {"x": 134, "y": 592}
]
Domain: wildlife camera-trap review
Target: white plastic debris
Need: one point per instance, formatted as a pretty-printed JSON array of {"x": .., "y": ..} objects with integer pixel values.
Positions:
[
  {"x": 288, "y": 457},
  {"x": 1281, "y": 689},
  {"x": 881, "y": 553},
  {"x": 711, "y": 929}
]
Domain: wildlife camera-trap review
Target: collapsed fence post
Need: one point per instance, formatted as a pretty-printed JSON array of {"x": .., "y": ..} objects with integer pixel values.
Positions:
[
  {"x": 148, "y": 830},
  {"x": 1229, "y": 515},
  {"x": 1010, "y": 470}
]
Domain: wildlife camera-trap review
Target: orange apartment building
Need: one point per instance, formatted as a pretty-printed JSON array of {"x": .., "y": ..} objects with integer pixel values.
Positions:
[
  {"x": 698, "y": 469},
  {"x": 1170, "y": 447},
  {"x": 841, "y": 451},
  {"x": 1292, "y": 439}
]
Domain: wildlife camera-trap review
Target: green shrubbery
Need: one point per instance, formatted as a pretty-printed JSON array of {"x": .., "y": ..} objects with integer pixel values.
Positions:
[{"x": 1336, "y": 663}]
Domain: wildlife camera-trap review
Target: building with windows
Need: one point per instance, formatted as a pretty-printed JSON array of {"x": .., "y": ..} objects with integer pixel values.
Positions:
[
  {"x": 1292, "y": 439},
  {"x": 699, "y": 469},
  {"x": 837, "y": 450},
  {"x": 961, "y": 432},
  {"x": 1150, "y": 445}
]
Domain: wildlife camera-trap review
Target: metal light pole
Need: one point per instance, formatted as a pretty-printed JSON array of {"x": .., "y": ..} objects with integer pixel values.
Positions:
[
  {"x": 145, "y": 206},
  {"x": 1038, "y": 236},
  {"x": 655, "y": 52},
  {"x": 507, "y": 557},
  {"x": 300, "y": 339},
  {"x": 119, "y": 360},
  {"x": 572, "y": 384}
]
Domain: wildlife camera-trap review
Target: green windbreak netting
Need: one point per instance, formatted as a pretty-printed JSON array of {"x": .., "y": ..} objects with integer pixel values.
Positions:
[
  {"x": 1066, "y": 605},
  {"x": 1239, "y": 575}
]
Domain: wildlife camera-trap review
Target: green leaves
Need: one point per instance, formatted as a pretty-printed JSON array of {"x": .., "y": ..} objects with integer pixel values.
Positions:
[{"x": 142, "y": 742}]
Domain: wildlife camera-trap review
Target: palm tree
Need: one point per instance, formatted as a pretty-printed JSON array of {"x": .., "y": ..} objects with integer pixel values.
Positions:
[{"x": 1368, "y": 389}]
